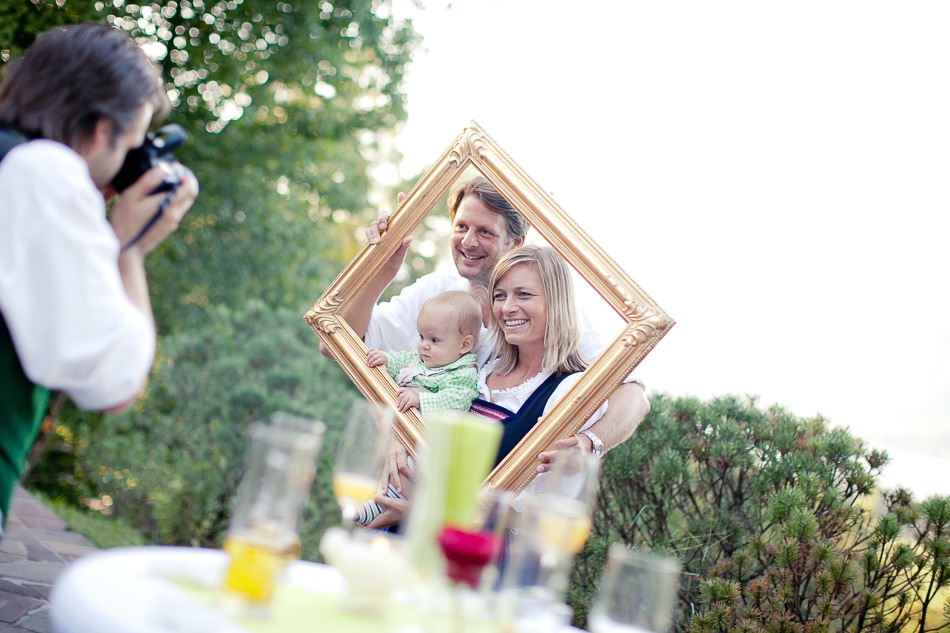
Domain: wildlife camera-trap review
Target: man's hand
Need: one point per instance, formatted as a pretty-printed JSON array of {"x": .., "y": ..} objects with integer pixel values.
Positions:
[
  {"x": 375, "y": 232},
  {"x": 399, "y": 474},
  {"x": 381, "y": 224},
  {"x": 136, "y": 207},
  {"x": 572, "y": 443},
  {"x": 359, "y": 309},
  {"x": 132, "y": 212}
]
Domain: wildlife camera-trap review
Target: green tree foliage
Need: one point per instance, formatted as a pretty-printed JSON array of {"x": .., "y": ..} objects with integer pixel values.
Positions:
[
  {"x": 22, "y": 20},
  {"x": 770, "y": 516},
  {"x": 284, "y": 104}
]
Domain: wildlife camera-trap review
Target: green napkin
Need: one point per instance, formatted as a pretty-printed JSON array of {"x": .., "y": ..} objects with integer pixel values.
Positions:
[
  {"x": 473, "y": 446},
  {"x": 459, "y": 453}
]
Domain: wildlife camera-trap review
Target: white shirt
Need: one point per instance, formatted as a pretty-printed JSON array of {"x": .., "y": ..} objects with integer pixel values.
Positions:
[{"x": 73, "y": 326}]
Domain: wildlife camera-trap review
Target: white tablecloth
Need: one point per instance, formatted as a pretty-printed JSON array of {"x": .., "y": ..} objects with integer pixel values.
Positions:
[
  {"x": 144, "y": 590},
  {"x": 133, "y": 590}
]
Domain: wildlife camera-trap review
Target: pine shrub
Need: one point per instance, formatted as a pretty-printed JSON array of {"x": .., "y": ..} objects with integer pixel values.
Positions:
[{"x": 777, "y": 520}]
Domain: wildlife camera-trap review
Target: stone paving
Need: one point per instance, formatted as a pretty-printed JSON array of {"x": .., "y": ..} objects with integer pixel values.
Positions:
[{"x": 35, "y": 548}]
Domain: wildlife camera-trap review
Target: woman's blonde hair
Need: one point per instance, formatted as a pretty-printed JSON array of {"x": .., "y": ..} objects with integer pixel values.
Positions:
[{"x": 562, "y": 332}]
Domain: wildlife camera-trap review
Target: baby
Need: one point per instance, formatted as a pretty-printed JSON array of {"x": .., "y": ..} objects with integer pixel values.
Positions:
[{"x": 442, "y": 372}]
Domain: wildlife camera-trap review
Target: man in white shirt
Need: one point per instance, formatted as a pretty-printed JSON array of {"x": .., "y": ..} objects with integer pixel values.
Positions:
[
  {"x": 484, "y": 227},
  {"x": 75, "y": 312}
]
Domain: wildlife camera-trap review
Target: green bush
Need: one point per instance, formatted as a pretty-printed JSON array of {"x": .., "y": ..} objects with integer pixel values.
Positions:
[
  {"x": 171, "y": 465},
  {"x": 770, "y": 516}
]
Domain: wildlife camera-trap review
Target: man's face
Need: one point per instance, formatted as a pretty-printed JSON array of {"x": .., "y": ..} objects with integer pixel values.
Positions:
[
  {"x": 479, "y": 239},
  {"x": 104, "y": 156}
]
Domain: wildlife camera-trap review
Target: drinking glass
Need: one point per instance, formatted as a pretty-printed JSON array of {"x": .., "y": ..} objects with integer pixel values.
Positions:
[
  {"x": 262, "y": 534},
  {"x": 637, "y": 592},
  {"x": 553, "y": 525},
  {"x": 530, "y": 596},
  {"x": 361, "y": 457},
  {"x": 560, "y": 514}
]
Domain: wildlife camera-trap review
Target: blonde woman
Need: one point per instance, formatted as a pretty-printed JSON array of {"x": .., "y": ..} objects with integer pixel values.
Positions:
[{"x": 536, "y": 358}]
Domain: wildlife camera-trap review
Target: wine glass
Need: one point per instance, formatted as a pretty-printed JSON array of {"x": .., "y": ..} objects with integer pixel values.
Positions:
[
  {"x": 637, "y": 592},
  {"x": 554, "y": 522},
  {"x": 560, "y": 513},
  {"x": 361, "y": 457}
]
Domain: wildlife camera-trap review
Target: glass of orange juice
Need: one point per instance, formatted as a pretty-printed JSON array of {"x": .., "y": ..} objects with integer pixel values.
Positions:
[{"x": 262, "y": 536}]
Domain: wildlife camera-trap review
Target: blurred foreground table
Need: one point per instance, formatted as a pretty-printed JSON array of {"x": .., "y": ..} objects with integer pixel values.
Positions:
[
  {"x": 168, "y": 589},
  {"x": 171, "y": 590}
]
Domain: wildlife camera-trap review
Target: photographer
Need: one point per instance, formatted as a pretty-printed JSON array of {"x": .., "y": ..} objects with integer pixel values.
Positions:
[{"x": 75, "y": 313}]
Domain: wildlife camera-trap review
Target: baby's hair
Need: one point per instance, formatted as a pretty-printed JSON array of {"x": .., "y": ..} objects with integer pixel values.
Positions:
[{"x": 465, "y": 306}]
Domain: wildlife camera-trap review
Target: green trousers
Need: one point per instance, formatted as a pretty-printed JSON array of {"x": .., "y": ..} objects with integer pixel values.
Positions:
[{"x": 22, "y": 405}]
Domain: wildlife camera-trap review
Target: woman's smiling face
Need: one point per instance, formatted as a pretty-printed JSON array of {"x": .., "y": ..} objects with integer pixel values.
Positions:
[{"x": 519, "y": 306}]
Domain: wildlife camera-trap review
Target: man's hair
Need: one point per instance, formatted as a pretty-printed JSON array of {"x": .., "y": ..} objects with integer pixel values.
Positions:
[
  {"x": 515, "y": 223},
  {"x": 73, "y": 76},
  {"x": 562, "y": 332},
  {"x": 465, "y": 306}
]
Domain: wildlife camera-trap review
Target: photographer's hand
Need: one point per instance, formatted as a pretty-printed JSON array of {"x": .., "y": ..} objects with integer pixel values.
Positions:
[{"x": 136, "y": 209}]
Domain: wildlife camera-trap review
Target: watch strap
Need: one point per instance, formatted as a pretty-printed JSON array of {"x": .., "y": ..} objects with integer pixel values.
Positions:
[{"x": 596, "y": 445}]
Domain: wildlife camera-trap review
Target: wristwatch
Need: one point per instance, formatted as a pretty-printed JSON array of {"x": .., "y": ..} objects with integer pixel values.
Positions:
[{"x": 596, "y": 446}]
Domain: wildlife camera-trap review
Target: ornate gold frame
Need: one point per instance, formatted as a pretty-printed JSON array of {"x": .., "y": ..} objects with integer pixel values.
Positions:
[{"x": 645, "y": 323}]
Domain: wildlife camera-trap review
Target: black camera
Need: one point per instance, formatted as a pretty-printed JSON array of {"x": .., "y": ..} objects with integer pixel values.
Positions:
[{"x": 156, "y": 151}]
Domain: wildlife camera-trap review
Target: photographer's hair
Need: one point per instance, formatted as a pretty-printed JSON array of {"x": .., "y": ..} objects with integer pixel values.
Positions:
[
  {"x": 562, "y": 332},
  {"x": 480, "y": 188},
  {"x": 465, "y": 307},
  {"x": 73, "y": 76}
]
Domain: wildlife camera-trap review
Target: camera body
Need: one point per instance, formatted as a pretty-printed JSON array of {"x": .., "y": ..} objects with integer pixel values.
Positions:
[{"x": 155, "y": 151}]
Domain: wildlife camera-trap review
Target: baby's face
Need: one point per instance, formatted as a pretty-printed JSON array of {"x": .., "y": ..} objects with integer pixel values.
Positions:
[{"x": 440, "y": 342}]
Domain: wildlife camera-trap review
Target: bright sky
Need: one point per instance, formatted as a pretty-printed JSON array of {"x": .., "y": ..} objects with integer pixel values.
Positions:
[{"x": 774, "y": 175}]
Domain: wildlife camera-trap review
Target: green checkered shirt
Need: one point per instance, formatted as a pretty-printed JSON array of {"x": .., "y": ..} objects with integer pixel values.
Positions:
[{"x": 453, "y": 386}]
